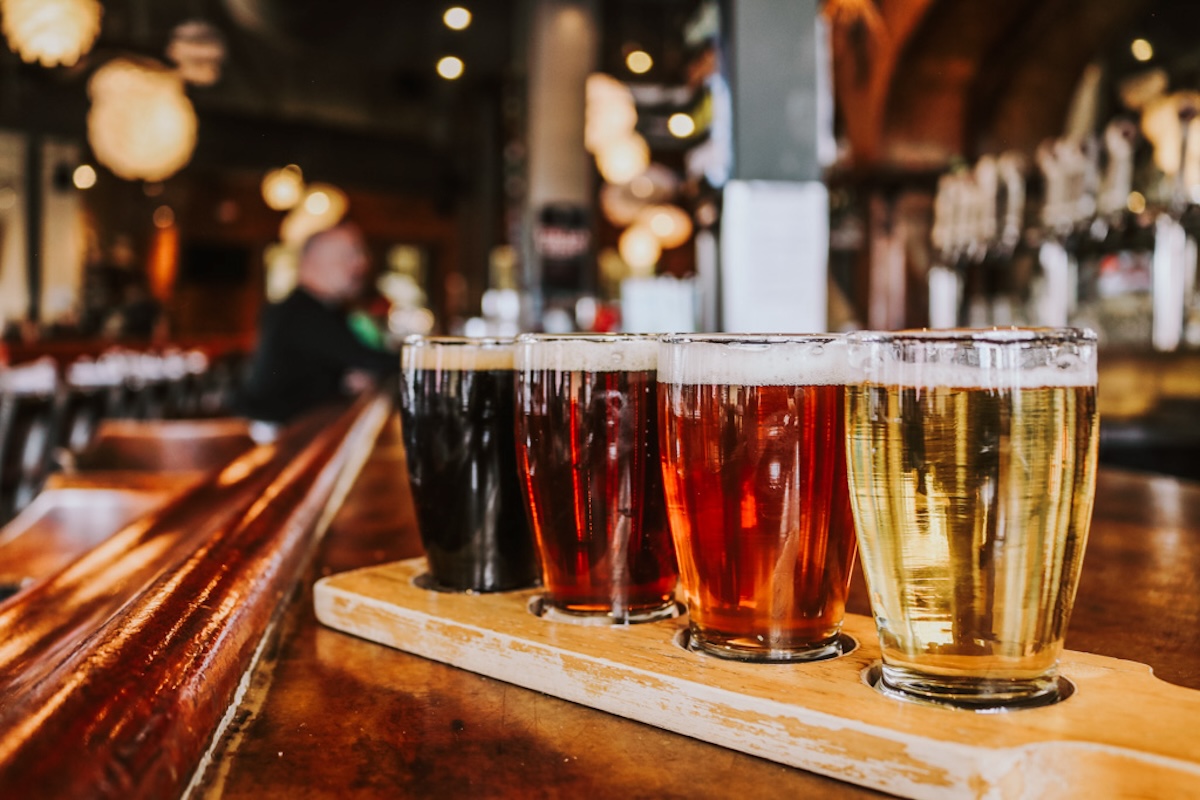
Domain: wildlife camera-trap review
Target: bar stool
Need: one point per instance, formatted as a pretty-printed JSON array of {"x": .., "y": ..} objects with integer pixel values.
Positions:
[{"x": 30, "y": 409}]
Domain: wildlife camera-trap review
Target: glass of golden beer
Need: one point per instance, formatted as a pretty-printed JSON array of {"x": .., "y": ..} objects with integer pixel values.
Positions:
[
  {"x": 587, "y": 447},
  {"x": 754, "y": 465},
  {"x": 972, "y": 463}
]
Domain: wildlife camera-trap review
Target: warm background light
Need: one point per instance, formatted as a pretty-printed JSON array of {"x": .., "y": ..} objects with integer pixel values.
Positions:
[
  {"x": 164, "y": 217},
  {"x": 450, "y": 67},
  {"x": 1142, "y": 50},
  {"x": 640, "y": 248},
  {"x": 670, "y": 224},
  {"x": 50, "y": 31},
  {"x": 457, "y": 18},
  {"x": 84, "y": 176},
  {"x": 623, "y": 160},
  {"x": 323, "y": 206},
  {"x": 141, "y": 124},
  {"x": 1136, "y": 202},
  {"x": 681, "y": 125},
  {"x": 282, "y": 188},
  {"x": 639, "y": 62}
]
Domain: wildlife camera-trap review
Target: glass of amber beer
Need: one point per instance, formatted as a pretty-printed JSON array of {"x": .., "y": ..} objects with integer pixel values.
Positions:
[
  {"x": 972, "y": 471},
  {"x": 754, "y": 464},
  {"x": 456, "y": 412},
  {"x": 587, "y": 444}
]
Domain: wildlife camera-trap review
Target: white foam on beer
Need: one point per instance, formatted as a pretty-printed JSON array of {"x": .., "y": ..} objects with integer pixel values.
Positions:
[
  {"x": 591, "y": 354},
  {"x": 777, "y": 362},
  {"x": 457, "y": 355},
  {"x": 998, "y": 358},
  {"x": 960, "y": 376}
]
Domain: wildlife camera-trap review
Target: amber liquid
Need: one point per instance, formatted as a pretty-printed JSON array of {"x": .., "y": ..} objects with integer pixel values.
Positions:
[
  {"x": 587, "y": 444},
  {"x": 973, "y": 509},
  {"x": 756, "y": 489}
]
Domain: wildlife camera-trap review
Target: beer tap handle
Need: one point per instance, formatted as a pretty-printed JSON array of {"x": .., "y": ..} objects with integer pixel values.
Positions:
[
  {"x": 1052, "y": 172},
  {"x": 1119, "y": 139},
  {"x": 1011, "y": 166}
]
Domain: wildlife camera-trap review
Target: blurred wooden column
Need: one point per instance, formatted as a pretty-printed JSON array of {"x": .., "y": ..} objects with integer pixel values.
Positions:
[
  {"x": 563, "y": 42},
  {"x": 775, "y": 223}
]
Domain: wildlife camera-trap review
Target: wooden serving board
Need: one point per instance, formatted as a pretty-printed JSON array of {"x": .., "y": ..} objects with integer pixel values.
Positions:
[{"x": 1123, "y": 733}]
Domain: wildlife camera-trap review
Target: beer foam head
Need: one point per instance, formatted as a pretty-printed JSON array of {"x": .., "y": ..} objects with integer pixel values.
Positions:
[
  {"x": 753, "y": 360},
  {"x": 456, "y": 353},
  {"x": 976, "y": 359},
  {"x": 587, "y": 352}
]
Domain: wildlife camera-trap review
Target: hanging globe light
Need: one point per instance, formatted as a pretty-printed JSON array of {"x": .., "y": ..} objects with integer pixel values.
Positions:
[
  {"x": 640, "y": 248},
  {"x": 141, "y": 124},
  {"x": 283, "y": 188},
  {"x": 52, "y": 32},
  {"x": 670, "y": 224}
]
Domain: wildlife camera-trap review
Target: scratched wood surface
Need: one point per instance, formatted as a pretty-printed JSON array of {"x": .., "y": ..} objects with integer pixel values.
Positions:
[{"x": 1123, "y": 732}]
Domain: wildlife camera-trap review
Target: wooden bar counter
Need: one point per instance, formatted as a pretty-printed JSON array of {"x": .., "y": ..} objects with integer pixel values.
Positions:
[
  {"x": 329, "y": 715},
  {"x": 324, "y": 714}
]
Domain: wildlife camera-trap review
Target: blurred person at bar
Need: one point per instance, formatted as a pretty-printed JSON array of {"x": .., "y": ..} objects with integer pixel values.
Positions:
[{"x": 308, "y": 355}]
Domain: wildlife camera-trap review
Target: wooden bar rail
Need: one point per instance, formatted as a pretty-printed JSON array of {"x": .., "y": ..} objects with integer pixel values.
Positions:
[{"x": 117, "y": 672}]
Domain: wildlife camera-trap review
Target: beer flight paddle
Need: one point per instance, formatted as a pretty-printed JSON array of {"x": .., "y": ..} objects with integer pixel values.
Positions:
[{"x": 966, "y": 460}]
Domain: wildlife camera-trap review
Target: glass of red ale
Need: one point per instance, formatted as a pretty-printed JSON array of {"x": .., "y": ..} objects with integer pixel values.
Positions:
[
  {"x": 754, "y": 466},
  {"x": 587, "y": 447}
]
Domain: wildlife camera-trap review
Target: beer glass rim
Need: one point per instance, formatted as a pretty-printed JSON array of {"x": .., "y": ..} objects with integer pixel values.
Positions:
[
  {"x": 421, "y": 340},
  {"x": 1015, "y": 335},
  {"x": 750, "y": 338},
  {"x": 582, "y": 336}
]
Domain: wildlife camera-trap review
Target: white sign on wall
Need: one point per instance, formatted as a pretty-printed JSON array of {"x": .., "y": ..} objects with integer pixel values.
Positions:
[{"x": 775, "y": 257}]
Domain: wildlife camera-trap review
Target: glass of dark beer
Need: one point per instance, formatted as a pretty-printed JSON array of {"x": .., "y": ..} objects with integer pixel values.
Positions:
[
  {"x": 754, "y": 463},
  {"x": 972, "y": 473},
  {"x": 456, "y": 409},
  {"x": 587, "y": 443}
]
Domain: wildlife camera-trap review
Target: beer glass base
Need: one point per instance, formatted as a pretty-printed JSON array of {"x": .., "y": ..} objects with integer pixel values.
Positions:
[
  {"x": 429, "y": 583},
  {"x": 541, "y": 607},
  {"x": 968, "y": 694},
  {"x": 732, "y": 650}
]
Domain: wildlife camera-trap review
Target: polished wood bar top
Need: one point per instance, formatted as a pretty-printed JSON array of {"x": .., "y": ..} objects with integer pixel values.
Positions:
[
  {"x": 118, "y": 670},
  {"x": 329, "y": 715}
]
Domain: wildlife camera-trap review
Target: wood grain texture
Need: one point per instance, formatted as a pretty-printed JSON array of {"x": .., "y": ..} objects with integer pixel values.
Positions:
[
  {"x": 330, "y": 715},
  {"x": 1123, "y": 731},
  {"x": 117, "y": 671}
]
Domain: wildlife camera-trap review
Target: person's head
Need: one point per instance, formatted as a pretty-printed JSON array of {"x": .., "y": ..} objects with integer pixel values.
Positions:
[{"x": 333, "y": 263}]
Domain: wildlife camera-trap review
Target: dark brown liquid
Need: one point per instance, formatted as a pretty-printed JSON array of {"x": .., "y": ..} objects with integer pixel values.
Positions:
[
  {"x": 458, "y": 437},
  {"x": 588, "y": 446},
  {"x": 759, "y": 503}
]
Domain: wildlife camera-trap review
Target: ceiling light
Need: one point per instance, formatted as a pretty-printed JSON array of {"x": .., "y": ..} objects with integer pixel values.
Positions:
[
  {"x": 681, "y": 125},
  {"x": 50, "y": 31},
  {"x": 316, "y": 203},
  {"x": 84, "y": 176},
  {"x": 141, "y": 124},
  {"x": 450, "y": 67},
  {"x": 623, "y": 160},
  {"x": 670, "y": 224},
  {"x": 1142, "y": 50},
  {"x": 456, "y": 18},
  {"x": 639, "y": 62},
  {"x": 282, "y": 188}
]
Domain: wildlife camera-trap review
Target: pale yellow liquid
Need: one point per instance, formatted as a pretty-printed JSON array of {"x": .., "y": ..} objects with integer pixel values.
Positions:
[{"x": 973, "y": 509}]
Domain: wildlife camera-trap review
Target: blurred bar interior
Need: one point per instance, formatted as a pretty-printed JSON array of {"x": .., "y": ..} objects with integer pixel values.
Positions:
[{"x": 641, "y": 165}]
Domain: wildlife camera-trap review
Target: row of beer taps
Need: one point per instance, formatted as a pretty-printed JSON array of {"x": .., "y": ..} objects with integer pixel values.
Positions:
[{"x": 1087, "y": 189}]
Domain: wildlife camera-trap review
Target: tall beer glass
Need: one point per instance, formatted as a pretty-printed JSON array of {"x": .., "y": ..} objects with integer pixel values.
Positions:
[
  {"x": 755, "y": 471},
  {"x": 972, "y": 471},
  {"x": 587, "y": 442},
  {"x": 456, "y": 409}
]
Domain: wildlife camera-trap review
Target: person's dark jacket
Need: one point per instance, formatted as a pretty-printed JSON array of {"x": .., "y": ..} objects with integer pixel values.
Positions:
[{"x": 305, "y": 349}]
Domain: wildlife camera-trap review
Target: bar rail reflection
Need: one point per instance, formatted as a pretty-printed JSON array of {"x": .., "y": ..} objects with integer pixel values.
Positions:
[{"x": 117, "y": 672}]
